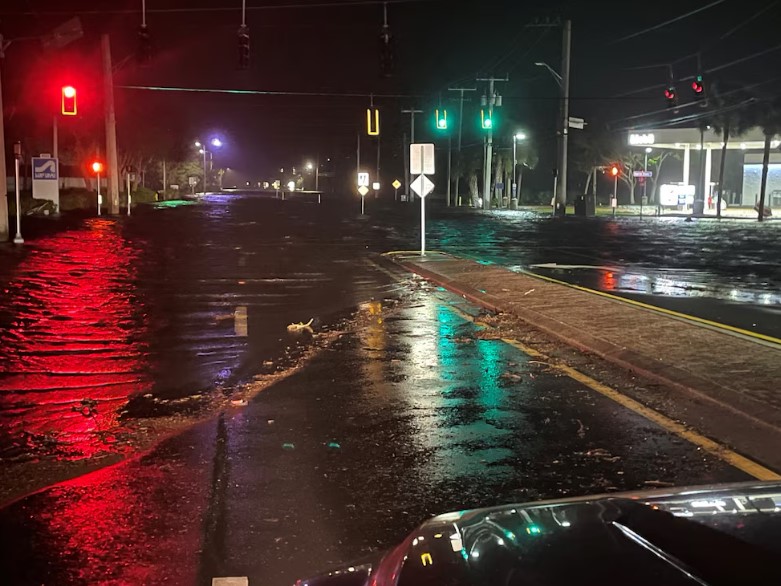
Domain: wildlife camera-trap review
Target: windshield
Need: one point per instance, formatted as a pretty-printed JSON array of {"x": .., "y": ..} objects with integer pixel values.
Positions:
[{"x": 282, "y": 281}]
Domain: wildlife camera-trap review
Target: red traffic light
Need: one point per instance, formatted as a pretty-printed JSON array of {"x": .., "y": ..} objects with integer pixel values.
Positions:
[
  {"x": 697, "y": 85},
  {"x": 669, "y": 93},
  {"x": 614, "y": 170},
  {"x": 97, "y": 167},
  {"x": 68, "y": 100}
]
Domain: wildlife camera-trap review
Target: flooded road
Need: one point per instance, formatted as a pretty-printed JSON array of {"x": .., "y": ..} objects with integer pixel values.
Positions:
[
  {"x": 168, "y": 307},
  {"x": 412, "y": 414},
  {"x": 728, "y": 272}
]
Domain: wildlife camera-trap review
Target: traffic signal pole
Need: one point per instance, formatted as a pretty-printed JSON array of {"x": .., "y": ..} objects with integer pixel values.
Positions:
[
  {"x": 111, "y": 127},
  {"x": 491, "y": 99},
  {"x": 461, "y": 90},
  {"x": 407, "y": 177},
  {"x": 561, "y": 186}
]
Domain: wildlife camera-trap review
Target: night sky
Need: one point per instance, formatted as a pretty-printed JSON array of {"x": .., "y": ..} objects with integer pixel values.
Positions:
[{"x": 319, "y": 47}]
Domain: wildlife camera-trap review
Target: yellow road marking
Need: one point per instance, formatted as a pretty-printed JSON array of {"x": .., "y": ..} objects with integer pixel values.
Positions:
[
  {"x": 708, "y": 445},
  {"x": 669, "y": 312}
]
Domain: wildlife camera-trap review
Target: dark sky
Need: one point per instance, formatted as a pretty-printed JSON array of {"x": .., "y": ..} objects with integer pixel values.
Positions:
[{"x": 299, "y": 46}]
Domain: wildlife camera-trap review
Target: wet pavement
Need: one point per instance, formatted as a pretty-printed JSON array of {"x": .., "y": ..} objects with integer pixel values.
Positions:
[
  {"x": 726, "y": 271},
  {"x": 170, "y": 307},
  {"x": 414, "y": 413}
]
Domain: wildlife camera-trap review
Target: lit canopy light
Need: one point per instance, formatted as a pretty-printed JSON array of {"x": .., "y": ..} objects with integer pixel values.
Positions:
[{"x": 216, "y": 142}]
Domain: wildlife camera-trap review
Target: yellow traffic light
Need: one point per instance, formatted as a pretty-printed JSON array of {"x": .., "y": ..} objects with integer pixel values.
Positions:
[{"x": 373, "y": 126}]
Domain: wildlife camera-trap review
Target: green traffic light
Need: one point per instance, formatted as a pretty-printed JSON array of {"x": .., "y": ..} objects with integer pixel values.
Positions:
[
  {"x": 486, "y": 121},
  {"x": 441, "y": 119}
]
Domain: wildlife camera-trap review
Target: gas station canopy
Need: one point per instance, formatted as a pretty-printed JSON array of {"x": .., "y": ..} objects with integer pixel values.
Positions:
[{"x": 689, "y": 138}]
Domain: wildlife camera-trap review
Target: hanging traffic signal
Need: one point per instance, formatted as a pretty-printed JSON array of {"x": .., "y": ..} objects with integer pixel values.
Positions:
[
  {"x": 386, "y": 53},
  {"x": 97, "y": 167},
  {"x": 440, "y": 119},
  {"x": 144, "y": 54},
  {"x": 69, "y": 100},
  {"x": 373, "y": 121},
  {"x": 698, "y": 88},
  {"x": 671, "y": 96},
  {"x": 486, "y": 121},
  {"x": 244, "y": 52},
  {"x": 615, "y": 170}
]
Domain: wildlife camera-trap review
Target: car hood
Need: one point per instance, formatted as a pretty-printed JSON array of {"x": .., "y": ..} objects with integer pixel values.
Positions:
[{"x": 718, "y": 534}]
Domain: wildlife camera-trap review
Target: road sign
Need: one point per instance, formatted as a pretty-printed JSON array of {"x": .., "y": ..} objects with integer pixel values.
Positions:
[
  {"x": 422, "y": 186},
  {"x": 46, "y": 183},
  {"x": 578, "y": 123},
  {"x": 396, "y": 184},
  {"x": 363, "y": 190},
  {"x": 421, "y": 158},
  {"x": 643, "y": 173},
  {"x": 192, "y": 180},
  {"x": 363, "y": 179},
  {"x": 44, "y": 169},
  {"x": 376, "y": 186}
]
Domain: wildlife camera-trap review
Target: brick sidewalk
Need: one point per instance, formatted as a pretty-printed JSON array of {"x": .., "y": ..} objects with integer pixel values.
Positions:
[{"x": 732, "y": 371}]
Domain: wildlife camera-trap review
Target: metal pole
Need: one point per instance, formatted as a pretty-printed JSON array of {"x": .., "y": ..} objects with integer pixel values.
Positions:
[
  {"x": 422, "y": 207},
  {"x": 111, "y": 127},
  {"x": 362, "y": 204},
  {"x": 645, "y": 183},
  {"x": 317, "y": 175},
  {"x": 204, "y": 169},
  {"x": 4, "y": 231},
  {"x": 165, "y": 182},
  {"x": 18, "y": 238},
  {"x": 128, "y": 194},
  {"x": 55, "y": 140},
  {"x": 358, "y": 158},
  {"x": 615, "y": 195},
  {"x": 513, "y": 188},
  {"x": 407, "y": 173},
  {"x": 377, "y": 178},
  {"x": 98, "y": 176},
  {"x": 520, "y": 184},
  {"x": 561, "y": 187},
  {"x": 449, "y": 162},
  {"x": 460, "y": 128}
]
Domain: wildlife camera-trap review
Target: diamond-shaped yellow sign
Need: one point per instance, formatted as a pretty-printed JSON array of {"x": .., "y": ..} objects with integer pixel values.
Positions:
[
  {"x": 363, "y": 190},
  {"x": 396, "y": 184}
]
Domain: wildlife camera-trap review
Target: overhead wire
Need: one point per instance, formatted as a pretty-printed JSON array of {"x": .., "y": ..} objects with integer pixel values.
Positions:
[{"x": 668, "y": 22}]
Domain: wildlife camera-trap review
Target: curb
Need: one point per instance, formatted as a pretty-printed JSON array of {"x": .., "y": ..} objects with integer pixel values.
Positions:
[{"x": 755, "y": 413}]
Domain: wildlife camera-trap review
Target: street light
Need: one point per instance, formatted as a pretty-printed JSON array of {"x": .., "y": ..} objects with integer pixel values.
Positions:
[
  {"x": 201, "y": 146},
  {"x": 518, "y": 136}
]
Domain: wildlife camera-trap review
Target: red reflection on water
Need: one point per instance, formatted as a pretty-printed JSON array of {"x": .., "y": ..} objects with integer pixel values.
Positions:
[
  {"x": 72, "y": 353},
  {"x": 135, "y": 523},
  {"x": 607, "y": 281}
]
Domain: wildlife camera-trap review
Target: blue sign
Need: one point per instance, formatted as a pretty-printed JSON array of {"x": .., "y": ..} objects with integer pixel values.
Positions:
[{"x": 44, "y": 169}]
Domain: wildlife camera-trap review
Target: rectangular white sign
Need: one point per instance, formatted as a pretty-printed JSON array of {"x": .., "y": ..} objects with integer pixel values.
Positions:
[
  {"x": 421, "y": 158},
  {"x": 46, "y": 183},
  {"x": 363, "y": 180},
  {"x": 674, "y": 195}
]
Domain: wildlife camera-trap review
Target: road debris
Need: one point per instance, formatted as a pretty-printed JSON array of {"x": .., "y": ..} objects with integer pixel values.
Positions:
[{"x": 301, "y": 326}]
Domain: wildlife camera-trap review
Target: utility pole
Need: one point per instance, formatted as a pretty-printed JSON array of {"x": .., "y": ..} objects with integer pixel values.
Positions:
[
  {"x": 407, "y": 177},
  {"x": 461, "y": 91},
  {"x": 3, "y": 183},
  {"x": 165, "y": 183},
  {"x": 491, "y": 99},
  {"x": 55, "y": 139},
  {"x": 111, "y": 127},
  {"x": 561, "y": 187}
]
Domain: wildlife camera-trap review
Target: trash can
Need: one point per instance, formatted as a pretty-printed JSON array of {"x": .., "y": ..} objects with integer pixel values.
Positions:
[{"x": 698, "y": 207}]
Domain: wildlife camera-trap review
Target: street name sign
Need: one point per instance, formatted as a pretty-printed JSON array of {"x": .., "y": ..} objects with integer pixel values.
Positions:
[{"x": 643, "y": 173}]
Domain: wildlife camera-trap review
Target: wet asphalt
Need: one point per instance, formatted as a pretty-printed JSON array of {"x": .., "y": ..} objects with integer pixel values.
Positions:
[{"x": 409, "y": 415}]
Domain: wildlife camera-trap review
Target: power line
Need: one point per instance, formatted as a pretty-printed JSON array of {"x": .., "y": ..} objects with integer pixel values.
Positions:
[
  {"x": 672, "y": 20},
  {"x": 264, "y": 92},
  {"x": 325, "y": 4}
]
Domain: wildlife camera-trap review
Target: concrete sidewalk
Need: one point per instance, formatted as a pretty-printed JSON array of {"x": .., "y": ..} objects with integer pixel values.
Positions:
[{"x": 736, "y": 373}]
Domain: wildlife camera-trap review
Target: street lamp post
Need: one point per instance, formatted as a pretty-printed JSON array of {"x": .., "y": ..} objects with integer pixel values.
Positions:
[
  {"x": 215, "y": 142},
  {"x": 516, "y": 137},
  {"x": 17, "y": 157}
]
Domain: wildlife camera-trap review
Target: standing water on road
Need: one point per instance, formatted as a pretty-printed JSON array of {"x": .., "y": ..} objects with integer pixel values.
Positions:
[{"x": 149, "y": 315}]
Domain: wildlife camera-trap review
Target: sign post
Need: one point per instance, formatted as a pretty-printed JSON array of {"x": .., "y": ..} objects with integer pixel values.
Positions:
[
  {"x": 17, "y": 156},
  {"x": 363, "y": 189},
  {"x": 421, "y": 162},
  {"x": 396, "y": 184}
]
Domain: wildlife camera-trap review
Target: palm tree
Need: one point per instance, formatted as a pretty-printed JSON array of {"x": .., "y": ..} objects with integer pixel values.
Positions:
[
  {"x": 768, "y": 116},
  {"x": 731, "y": 116}
]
